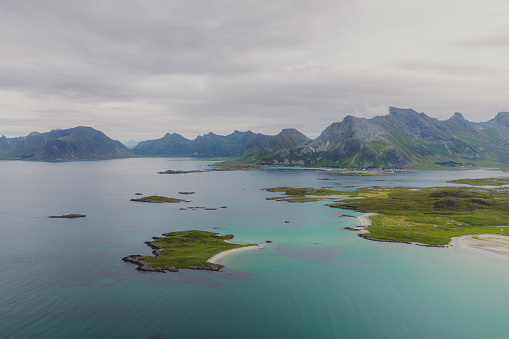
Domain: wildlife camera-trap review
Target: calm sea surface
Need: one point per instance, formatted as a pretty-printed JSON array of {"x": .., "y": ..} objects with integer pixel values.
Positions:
[{"x": 64, "y": 278}]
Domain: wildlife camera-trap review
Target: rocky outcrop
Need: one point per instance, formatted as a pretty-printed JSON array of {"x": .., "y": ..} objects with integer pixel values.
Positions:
[
  {"x": 159, "y": 200},
  {"x": 68, "y": 216},
  {"x": 156, "y": 251},
  {"x": 179, "y": 172}
]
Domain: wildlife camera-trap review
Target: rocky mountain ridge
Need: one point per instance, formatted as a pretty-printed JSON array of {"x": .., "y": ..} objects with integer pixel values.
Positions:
[
  {"x": 205, "y": 146},
  {"x": 402, "y": 139},
  {"x": 78, "y": 143}
]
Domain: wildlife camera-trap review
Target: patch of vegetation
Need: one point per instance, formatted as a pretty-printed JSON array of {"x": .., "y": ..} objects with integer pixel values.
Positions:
[
  {"x": 483, "y": 181},
  {"x": 303, "y": 194},
  {"x": 433, "y": 215},
  {"x": 454, "y": 164},
  {"x": 159, "y": 199},
  {"x": 189, "y": 249},
  {"x": 428, "y": 215}
]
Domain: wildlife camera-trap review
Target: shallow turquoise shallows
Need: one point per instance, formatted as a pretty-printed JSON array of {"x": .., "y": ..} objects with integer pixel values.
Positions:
[{"x": 64, "y": 278}]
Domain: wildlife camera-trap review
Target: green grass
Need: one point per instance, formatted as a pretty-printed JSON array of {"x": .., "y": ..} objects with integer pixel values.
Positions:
[
  {"x": 302, "y": 194},
  {"x": 190, "y": 248},
  {"x": 483, "y": 181},
  {"x": 158, "y": 198},
  {"x": 429, "y": 216},
  {"x": 304, "y": 191}
]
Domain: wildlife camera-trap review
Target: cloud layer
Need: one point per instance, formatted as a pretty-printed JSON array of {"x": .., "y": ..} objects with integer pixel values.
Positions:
[{"x": 137, "y": 70}]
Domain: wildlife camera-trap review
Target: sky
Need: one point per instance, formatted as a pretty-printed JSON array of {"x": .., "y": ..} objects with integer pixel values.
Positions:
[{"x": 137, "y": 70}]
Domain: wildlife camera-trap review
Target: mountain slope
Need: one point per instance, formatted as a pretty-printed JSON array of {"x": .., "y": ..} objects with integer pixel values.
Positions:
[
  {"x": 79, "y": 143},
  {"x": 208, "y": 145},
  {"x": 401, "y": 139}
]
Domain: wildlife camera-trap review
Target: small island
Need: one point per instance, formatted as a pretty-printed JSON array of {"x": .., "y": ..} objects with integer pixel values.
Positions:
[
  {"x": 159, "y": 199},
  {"x": 194, "y": 249},
  {"x": 305, "y": 194},
  {"x": 180, "y": 172},
  {"x": 68, "y": 216},
  {"x": 425, "y": 216}
]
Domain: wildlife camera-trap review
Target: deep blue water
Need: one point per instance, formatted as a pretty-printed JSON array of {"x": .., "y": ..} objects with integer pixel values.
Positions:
[{"x": 64, "y": 278}]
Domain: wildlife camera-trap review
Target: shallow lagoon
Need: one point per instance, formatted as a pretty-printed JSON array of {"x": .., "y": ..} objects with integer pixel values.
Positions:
[{"x": 64, "y": 278}]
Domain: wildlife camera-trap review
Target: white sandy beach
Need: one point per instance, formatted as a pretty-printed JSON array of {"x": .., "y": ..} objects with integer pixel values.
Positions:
[
  {"x": 215, "y": 258},
  {"x": 494, "y": 243},
  {"x": 364, "y": 220}
]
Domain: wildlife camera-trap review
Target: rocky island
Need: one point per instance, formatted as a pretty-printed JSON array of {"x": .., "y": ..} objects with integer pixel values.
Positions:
[
  {"x": 68, "y": 216},
  {"x": 159, "y": 199},
  {"x": 194, "y": 249}
]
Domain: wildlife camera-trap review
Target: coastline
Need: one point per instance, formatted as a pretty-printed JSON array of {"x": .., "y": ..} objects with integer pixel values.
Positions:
[
  {"x": 489, "y": 242},
  {"x": 365, "y": 221},
  {"x": 219, "y": 256}
]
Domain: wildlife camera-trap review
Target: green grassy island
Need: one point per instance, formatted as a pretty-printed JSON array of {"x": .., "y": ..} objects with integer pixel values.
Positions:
[
  {"x": 429, "y": 216},
  {"x": 184, "y": 249},
  {"x": 159, "y": 199}
]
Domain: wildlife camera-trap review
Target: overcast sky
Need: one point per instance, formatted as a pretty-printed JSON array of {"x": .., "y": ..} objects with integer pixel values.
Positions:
[{"x": 139, "y": 69}]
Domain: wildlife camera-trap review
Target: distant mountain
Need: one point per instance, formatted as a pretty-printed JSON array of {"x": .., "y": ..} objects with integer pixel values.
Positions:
[
  {"x": 263, "y": 146},
  {"x": 205, "y": 146},
  {"x": 130, "y": 144},
  {"x": 401, "y": 139},
  {"x": 79, "y": 143}
]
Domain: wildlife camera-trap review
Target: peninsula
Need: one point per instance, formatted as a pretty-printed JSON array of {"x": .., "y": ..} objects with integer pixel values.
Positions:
[
  {"x": 426, "y": 216},
  {"x": 194, "y": 249}
]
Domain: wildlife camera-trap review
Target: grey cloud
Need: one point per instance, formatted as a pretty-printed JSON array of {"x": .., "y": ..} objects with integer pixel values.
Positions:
[{"x": 146, "y": 68}]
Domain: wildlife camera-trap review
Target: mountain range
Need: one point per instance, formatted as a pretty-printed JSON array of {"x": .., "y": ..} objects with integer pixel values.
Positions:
[
  {"x": 78, "y": 143},
  {"x": 205, "y": 146},
  {"x": 402, "y": 139}
]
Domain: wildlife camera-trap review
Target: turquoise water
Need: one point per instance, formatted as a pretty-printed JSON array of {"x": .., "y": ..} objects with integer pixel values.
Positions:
[{"x": 63, "y": 278}]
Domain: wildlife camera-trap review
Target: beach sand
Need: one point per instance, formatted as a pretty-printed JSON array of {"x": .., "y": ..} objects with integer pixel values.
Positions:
[
  {"x": 364, "y": 220},
  {"x": 337, "y": 196},
  {"x": 494, "y": 243},
  {"x": 215, "y": 258}
]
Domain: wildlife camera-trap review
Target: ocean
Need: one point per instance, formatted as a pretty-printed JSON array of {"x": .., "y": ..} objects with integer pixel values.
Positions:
[{"x": 64, "y": 278}]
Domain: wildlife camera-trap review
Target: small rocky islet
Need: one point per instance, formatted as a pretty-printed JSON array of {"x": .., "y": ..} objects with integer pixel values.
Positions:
[
  {"x": 67, "y": 216},
  {"x": 183, "y": 250},
  {"x": 159, "y": 199}
]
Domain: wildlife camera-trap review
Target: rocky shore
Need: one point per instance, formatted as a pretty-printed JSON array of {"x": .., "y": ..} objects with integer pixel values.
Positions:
[
  {"x": 145, "y": 267},
  {"x": 180, "y": 172},
  {"x": 365, "y": 222},
  {"x": 156, "y": 251},
  {"x": 366, "y": 236},
  {"x": 68, "y": 216},
  {"x": 159, "y": 200}
]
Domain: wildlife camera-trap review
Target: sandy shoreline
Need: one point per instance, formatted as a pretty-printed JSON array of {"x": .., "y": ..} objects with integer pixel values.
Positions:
[
  {"x": 325, "y": 197},
  {"x": 494, "y": 243},
  {"x": 364, "y": 220},
  {"x": 215, "y": 258}
]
